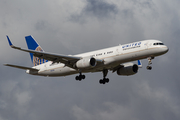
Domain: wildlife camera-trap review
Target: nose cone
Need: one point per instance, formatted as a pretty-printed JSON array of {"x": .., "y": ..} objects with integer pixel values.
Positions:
[{"x": 166, "y": 49}]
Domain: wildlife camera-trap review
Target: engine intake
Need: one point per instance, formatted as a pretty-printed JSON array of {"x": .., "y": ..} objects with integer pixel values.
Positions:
[
  {"x": 86, "y": 63},
  {"x": 128, "y": 70}
]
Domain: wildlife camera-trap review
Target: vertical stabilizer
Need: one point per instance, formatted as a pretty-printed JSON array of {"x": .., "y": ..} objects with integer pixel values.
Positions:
[{"x": 33, "y": 45}]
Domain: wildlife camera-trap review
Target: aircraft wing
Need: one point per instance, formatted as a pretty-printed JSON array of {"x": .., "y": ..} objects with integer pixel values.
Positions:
[
  {"x": 68, "y": 60},
  {"x": 117, "y": 67},
  {"x": 122, "y": 65}
]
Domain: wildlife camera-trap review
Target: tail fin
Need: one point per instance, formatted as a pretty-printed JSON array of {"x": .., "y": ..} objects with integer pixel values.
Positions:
[{"x": 33, "y": 45}]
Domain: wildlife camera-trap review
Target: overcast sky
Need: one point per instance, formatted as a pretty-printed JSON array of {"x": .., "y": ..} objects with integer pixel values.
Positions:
[{"x": 76, "y": 26}]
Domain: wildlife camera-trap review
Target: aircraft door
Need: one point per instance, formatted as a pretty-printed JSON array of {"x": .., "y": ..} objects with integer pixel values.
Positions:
[
  {"x": 146, "y": 45},
  {"x": 119, "y": 50}
]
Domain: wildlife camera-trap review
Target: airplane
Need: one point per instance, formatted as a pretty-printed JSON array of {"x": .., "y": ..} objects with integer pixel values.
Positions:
[{"x": 116, "y": 59}]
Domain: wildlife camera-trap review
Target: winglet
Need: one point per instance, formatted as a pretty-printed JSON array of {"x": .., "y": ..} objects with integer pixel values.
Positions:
[
  {"x": 139, "y": 64},
  {"x": 10, "y": 43}
]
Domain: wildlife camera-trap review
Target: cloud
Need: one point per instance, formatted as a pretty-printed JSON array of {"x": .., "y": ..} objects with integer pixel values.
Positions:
[
  {"x": 142, "y": 98},
  {"x": 95, "y": 8},
  {"x": 100, "y": 8}
]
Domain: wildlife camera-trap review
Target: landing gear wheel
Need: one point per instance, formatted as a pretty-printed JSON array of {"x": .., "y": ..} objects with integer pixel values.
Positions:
[
  {"x": 149, "y": 67},
  {"x": 80, "y": 77},
  {"x": 83, "y": 76},
  {"x": 77, "y": 77},
  {"x": 107, "y": 80},
  {"x": 101, "y": 81},
  {"x": 104, "y": 81}
]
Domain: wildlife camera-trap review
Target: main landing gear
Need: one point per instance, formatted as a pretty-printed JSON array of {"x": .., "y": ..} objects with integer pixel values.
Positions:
[
  {"x": 104, "y": 80},
  {"x": 101, "y": 81},
  {"x": 80, "y": 77},
  {"x": 149, "y": 63}
]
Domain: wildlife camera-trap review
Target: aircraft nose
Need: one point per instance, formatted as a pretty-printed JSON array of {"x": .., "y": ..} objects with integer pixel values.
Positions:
[{"x": 165, "y": 49}]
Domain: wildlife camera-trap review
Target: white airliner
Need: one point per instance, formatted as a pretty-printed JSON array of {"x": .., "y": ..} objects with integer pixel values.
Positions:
[{"x": 113, "y": 59}]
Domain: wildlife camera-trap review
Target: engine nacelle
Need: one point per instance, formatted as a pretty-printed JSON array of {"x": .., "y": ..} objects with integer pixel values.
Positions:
[
  {"x": 86, "y": 63},
  {"x": 128, "y": 70}
]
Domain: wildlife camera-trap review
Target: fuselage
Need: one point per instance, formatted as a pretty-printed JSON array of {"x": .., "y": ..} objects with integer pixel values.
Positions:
[{"x": 111, "y": 57}]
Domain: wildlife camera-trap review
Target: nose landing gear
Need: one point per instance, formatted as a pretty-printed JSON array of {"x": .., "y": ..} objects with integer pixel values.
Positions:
[
  {"x": 149, "y": 63},
  {"x": 149, "y": 67}
]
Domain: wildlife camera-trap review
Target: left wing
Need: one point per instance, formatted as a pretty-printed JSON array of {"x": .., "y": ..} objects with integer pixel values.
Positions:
[{"x": 66, "y": 59}]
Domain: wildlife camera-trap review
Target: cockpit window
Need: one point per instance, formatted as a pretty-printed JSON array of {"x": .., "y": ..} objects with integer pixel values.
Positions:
[
  {"x": 158, "y": 44},
  {"x": 155, "y": 44}
]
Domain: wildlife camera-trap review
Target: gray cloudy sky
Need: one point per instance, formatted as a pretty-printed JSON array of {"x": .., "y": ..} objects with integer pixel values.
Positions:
[{"x": 76, "y": 26}]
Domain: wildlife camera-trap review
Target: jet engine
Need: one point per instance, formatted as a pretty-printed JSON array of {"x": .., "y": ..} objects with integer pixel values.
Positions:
[
  {"x": 127, "y": 70},
  {"x": 86, "y": 63}
]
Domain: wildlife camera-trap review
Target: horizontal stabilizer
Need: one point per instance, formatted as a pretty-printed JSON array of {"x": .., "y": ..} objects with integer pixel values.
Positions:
[{"x": 21, "y": 67}]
